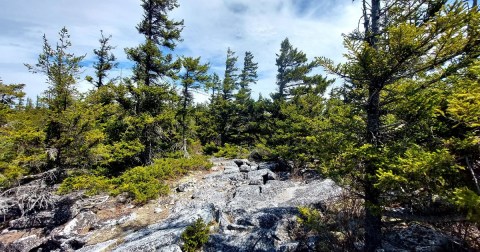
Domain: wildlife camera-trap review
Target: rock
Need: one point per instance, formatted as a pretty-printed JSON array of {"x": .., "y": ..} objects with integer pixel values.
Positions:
[
  {"x": 254, "y": 217},
  {"x": 122, "y": 198},
  {"x": 81, "y": 224},
  {"x": 39, "y": 220},
  {"x": 260, "y": 177},
  {"x": 231, "y": 169},
  {"x": 310, "y": 174},
  {"x": 188, "y": 186},
  {"x": 170, "y": 248},
  {"x": 267, "y": 165},
  {"x": 419, "y": 238},
  {"x": 238, "y": 162},
  {"x": 245, "y": 168},
  {"x": 26, "y": 243}
]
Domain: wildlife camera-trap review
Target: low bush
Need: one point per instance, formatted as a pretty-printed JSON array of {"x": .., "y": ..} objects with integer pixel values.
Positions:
[
  {"x": 141, "y": 183},
  {"x": 195, "y": 236},
  {"x": 232, "y": 151},
  {"x": 90, "y": 183}
]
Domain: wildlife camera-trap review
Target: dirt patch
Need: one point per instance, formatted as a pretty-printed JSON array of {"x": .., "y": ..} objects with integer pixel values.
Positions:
[{"x": 11, "y": 236}]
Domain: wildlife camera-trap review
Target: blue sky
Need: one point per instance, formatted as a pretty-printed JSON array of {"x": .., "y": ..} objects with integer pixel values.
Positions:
[{"x": 211, "y": 26}]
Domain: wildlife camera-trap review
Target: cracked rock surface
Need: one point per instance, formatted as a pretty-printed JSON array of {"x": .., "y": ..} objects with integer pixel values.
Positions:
[{"x": 250, "y": 207}]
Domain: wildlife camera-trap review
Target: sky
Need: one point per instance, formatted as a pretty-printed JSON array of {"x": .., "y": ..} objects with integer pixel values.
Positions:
[{"x": 211, "y": 26}]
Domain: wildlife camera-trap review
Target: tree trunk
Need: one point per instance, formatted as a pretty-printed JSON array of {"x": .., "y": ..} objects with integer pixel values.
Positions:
[{"x": 373, "y": 221}]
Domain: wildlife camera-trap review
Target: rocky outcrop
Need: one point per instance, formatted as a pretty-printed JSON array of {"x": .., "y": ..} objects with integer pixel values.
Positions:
[{"x": 252, "y": 207}]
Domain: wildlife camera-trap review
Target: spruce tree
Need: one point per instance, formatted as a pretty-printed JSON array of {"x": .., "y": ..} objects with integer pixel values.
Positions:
[
  {"x": 192, "y": 78},
  {"x": 244, "y": 103},
  {"x": 151, "y": 63},
  {"x": 293, "y": 69},
  {"x": 154, "y": 96},
  {"x": 61, "y": 68},
  {"x": 105, "y": 61},
  {"x": 410, "y": 43}
]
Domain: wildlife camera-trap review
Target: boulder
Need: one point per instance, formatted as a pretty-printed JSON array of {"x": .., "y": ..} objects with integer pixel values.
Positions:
[
  {"x": 267, "y": 165},
  {"x": 26, "y": 243},
  {"x": 81, "y": 224},
  {"x": 39, "y": 220},
  {"x": 245, "y": 168}
]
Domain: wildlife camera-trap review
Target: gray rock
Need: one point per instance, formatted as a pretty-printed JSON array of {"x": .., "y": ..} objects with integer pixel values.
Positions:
[
  {"x": 185, "y": 187},
  {"x": 245, "y": 168},
  {"x": 253, "y": 217},
  {"x": 267, "y": 165},
  {"x": 231, "y": 169},
  {"x": 26, "y": 243},
  {"x": 39, "y": 220},
  {"x": 420, "y": 238},
  {"x": 260, "y": 177},
  {"x": 170, "y": 248},
  {"x": 238, "y": 162},
  {"x": 81, "y": 224}
]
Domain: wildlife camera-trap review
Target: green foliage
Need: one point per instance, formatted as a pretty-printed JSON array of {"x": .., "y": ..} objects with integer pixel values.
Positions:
[
  {"x": 467, "y": 200},
  {"x": 141, "y": 183},
  {"x": 231, "y": 151},
  {"x": 61, "y": 68},
  {"x": 105, "y": 63},
  {"x": 311, "y": 219},
  {"x": 90, "y": 183},
  {"x": 195, "y": 236}
]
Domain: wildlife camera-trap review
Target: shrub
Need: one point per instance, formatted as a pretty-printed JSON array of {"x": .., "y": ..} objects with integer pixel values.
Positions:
[
  {"x": 232, "y": 151},
  {"x": 90, "y": 183},
  {"x": 142, "y": 183},
  {"x": 195, "y": 236},
  {"x": 210, "y": 148}
]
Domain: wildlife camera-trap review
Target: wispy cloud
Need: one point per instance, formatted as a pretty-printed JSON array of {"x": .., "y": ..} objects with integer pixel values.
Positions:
[{"x": 211, "y": 26}]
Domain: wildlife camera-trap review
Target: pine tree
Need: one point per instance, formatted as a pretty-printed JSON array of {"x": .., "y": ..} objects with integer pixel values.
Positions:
[
  {"x": 293, "y": 69},
  {"x": 410, "y": 43},
  {"x": 193, "y": 78},
  {"x": 151, "y": 63},
  {"x": 62, "y": 70},
  {"x": 105, "y": 63},
  {"x": 244, "y": 103}
]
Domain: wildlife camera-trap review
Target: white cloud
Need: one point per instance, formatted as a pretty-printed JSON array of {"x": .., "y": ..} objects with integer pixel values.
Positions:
[{"x": 211, "y": 26}]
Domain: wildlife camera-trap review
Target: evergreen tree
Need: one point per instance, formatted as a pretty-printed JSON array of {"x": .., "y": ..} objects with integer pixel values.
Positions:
[
  {"x": 193, "y": 78},
  {"x": 410, "y": 43},
  {"x": 224, "y": 105},
  {"x": 244, "y": 103},
  {"x": 151, "y": 63},
  {"x": 293, "y": 68},
  {"x": 155, "y": 98},
  {"x": 62, "y": 70},
  {"x": 105, "y": 63},
  {"x": 230, "y": 77}
]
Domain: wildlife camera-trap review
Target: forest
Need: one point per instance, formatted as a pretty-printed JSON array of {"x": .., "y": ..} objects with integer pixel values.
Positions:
[{"x": 399, "y": 127}]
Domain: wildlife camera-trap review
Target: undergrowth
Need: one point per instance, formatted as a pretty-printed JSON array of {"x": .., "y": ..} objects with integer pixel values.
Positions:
[
  {"x": 141, "y": 183},
  {"x": 195, "y": 236}
]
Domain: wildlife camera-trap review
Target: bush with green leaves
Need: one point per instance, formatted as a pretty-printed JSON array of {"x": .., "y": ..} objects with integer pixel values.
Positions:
[
  {"x": 195, "y": 236},
  {"x": 141, "y": 183},
  {"x": 232, "y": 151}
]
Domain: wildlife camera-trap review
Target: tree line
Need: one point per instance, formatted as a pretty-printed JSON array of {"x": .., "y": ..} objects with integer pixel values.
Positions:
[{"x": 402, "y": 129}]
